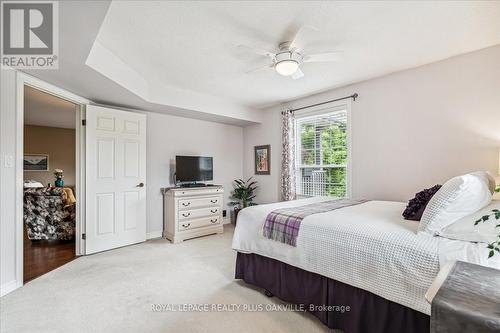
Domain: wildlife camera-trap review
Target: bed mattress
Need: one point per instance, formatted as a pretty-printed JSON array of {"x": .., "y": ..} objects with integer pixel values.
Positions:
[{"x": 369, "y": 246}]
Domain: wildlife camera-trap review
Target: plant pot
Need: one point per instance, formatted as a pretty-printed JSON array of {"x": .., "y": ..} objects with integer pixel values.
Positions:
[{"x": 236, "y": 211}]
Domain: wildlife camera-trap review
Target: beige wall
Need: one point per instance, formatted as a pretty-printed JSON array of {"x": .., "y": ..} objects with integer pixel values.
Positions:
[
  {"x": 59, "y": 144},
  {"x": 410, "y": 129},
  {"x": 168, "y": 136}
]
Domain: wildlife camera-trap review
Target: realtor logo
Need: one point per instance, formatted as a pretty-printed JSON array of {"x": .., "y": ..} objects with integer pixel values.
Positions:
[{"x": 30, "y": 34}]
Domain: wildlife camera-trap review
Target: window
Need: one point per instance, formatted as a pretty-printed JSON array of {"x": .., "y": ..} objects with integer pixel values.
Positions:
[{"x": 322, "y": 153}]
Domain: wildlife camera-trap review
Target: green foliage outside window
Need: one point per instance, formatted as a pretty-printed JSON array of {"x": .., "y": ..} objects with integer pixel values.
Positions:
[
  {"x": 324, "y": 148},
  {"x": 307, "y": 144}
]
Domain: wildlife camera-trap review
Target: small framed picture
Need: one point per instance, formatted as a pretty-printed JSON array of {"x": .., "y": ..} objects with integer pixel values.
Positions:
[
  {"x": 36, "y": 162},
  {"x": 263, "y": 160}
]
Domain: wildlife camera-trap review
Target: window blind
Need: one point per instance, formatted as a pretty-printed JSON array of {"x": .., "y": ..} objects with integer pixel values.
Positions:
[{"x": 321, "y": 156}]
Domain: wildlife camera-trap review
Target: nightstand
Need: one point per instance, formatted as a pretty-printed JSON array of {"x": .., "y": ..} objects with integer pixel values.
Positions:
[{"x": 465, "y": 298}]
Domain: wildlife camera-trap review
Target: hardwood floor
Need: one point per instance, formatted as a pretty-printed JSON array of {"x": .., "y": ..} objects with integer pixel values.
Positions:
[{"x": 42, "y": 256}]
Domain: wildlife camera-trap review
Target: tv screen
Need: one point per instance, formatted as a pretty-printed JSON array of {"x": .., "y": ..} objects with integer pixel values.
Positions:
[{"x": 193, "y": 168}]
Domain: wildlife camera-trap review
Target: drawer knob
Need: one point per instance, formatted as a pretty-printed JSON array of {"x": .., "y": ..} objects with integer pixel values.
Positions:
[
  {"x": 186, "y": 225},
  {"x": 186, "y": 214},
  {"x": 185, "y": 204},
  {"x": 213, "y": 210},
  {"x": 214, "y": 201},
  {"x": 213, "y": 221}
]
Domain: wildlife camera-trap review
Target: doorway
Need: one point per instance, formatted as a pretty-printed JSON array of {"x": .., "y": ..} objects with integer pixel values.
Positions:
[
  {"x": 50, "y": 200},
  {"x": 98, "y": 131}
]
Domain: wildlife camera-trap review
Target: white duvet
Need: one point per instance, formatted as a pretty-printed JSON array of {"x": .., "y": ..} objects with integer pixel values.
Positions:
[{"x": 369, "y": 246}]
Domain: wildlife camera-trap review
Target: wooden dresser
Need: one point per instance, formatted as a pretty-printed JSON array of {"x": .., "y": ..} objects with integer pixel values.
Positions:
[{"x": 192, "y": 212}]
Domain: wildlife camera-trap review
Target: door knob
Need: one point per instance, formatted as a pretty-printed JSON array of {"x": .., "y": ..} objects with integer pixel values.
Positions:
[{"x": 140, "y": 185}]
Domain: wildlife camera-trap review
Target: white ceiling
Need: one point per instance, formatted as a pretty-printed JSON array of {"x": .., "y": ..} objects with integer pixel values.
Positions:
[
  {"x": 192, "y": 45},
  {"x": 42, "y": 109},
  {"x": 185, "y": 51},
  {"x": 79, "y": 24}
]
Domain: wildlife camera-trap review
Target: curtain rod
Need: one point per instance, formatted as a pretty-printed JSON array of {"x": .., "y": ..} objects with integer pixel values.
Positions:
[{"x": 353, "y": 96}]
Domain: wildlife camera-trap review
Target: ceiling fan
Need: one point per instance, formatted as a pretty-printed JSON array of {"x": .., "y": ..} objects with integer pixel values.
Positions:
[{"x": 291, "y": 56}]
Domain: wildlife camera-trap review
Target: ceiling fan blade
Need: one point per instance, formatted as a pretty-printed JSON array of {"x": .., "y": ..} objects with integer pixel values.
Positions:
[
  {"x": 298, "y": 42},
  {"x": 258, "y": 51},
  {"x": 298, "y": 74},
  {"x": 324, "y": 57},
  {"x": 258, "y": 69}
]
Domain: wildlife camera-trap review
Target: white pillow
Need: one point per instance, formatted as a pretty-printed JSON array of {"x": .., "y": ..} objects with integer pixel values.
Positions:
[
  {"x": 489, "y": 178},
  {"x": 457, "y": 198},
  {"x": 32, "y": 184},
  {"x": 484, "y": 232}
]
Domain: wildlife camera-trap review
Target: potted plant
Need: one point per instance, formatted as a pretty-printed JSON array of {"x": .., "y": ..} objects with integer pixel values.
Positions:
[{"x": 243, "y": 195}]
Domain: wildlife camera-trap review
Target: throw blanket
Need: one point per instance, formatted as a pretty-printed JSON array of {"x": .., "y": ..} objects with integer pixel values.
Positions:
[
  {"x": 69, "y": 197},
  {"x": 283, "y": 225}
]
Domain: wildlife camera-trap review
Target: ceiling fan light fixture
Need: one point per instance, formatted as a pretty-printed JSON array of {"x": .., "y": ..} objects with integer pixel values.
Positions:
[{"x": 286, "y": 67}]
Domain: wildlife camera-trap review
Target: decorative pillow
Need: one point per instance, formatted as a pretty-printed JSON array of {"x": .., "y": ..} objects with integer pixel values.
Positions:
[
  {"x": 416, "y": 206},
  {"x": 484, "y": 232},
  {"x": 459, "y": 197}
]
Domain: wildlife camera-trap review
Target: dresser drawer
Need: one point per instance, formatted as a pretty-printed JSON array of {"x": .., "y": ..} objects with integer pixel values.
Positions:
[
  {"x": 200, "y": 212},
  {"x": 199, "y": 202},
  {"x": 198, "y": 223}
]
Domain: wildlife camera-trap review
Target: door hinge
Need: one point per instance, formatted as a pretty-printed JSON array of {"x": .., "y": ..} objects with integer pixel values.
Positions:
[
  {"x": 84, "y": 122},
  {"x": 84, "y": 236}
]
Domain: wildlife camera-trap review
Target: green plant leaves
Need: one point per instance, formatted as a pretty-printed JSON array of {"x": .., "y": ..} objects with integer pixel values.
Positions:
[
  {"x": 243, "y": 192},
  {"x": 495, "y": 246}
]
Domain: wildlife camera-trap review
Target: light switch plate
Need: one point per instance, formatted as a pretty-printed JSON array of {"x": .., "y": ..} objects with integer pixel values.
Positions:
[{"x": 8, "y": 161}]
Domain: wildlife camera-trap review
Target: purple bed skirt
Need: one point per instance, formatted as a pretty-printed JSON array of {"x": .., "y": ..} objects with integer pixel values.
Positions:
[{"x": 368, "y": 313}]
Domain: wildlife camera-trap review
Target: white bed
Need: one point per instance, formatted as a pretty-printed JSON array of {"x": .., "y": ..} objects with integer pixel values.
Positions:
[{"x": 369, "y": 246}]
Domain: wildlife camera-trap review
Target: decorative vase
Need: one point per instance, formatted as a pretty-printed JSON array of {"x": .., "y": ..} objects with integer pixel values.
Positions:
[{"x": 59, "y": 182}]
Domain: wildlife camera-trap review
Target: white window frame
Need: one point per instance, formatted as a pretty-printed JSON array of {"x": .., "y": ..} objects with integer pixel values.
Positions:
[{"x": 322, "y": 110}]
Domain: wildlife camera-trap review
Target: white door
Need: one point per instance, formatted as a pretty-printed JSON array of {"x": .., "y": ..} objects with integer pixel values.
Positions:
[{"x": 115, "y": 178}]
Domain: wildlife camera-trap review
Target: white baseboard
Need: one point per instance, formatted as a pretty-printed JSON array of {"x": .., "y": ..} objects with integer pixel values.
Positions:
[
  {"x": 8, "y": 287},
  {"x": 154, "y": 234}
]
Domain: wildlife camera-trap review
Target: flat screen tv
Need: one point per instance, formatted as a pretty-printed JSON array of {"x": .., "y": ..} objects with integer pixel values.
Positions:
[{"x": 193, "y": 168}]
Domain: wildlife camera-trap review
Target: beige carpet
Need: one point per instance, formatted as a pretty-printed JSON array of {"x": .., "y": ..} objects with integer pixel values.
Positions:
[{"x": 114, "y": 291}]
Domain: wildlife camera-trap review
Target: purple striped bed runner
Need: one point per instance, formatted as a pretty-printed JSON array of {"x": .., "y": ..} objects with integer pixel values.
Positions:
[{"x": 283, "y": 224}]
